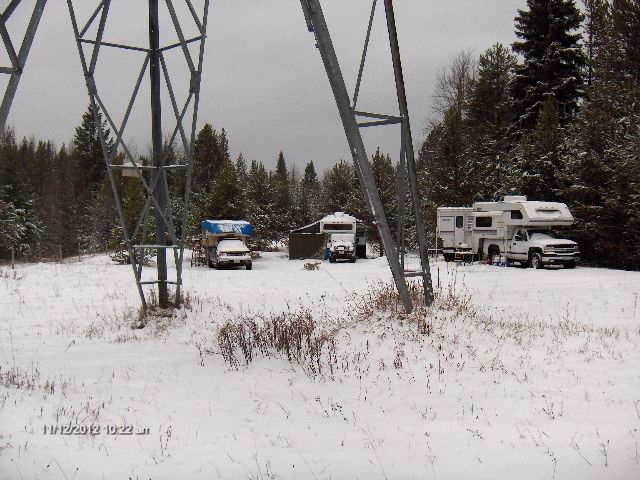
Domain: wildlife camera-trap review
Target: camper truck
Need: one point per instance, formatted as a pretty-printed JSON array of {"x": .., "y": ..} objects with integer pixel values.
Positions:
[
  {"x": 515, "y": 229},
  {"x": 224, "y": 243},
  {"x": 343, "y": 241}
]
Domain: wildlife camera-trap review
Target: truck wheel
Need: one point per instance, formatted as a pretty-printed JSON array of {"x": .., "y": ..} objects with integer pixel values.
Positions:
[
  {"x": 448, "y": 257},
  {"x": 535, "y": 260},
  {"x": 353, "y": 260},
  {"x": 570, "y": 265},
  {"x": 249, "y": 266}
]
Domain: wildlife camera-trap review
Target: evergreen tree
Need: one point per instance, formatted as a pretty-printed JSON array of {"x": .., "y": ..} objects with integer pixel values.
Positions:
[
  {"x": 309, "y": 195},
  {"x": 338, "y": 189},
  {"x": 595, "y": 18},
  {"x": 260, "y": 204},
  {"x": 88, "y": 149},
  {"x": 489, "y": 116},
  {"x": 538, "y": 157},
  {"x": 226, "y": 199},
  {"x": 552, "y": 60},
  {"x": 207, "y": 158},
  {"x": 282, "y": 200},
  {"x": 384, "y": 174},
  {"x": 625, "y": 15}
]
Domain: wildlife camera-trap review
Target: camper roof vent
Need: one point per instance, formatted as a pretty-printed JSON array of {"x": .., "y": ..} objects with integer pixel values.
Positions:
[{"x": 515, "y": 198}]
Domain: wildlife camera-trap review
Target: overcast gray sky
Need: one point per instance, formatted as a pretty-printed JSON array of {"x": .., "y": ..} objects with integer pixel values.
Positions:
[{"x": 263, "y": 77}]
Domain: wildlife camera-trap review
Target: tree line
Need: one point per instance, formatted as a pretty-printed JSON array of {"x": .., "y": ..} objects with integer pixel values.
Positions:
[{"x": 554, "y": 117}]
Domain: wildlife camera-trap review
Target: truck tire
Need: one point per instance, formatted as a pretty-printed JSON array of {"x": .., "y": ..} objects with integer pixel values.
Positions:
[
  {"x": 249, "y": 266},
  {"x": 535, "y": 260},
  {"x": 570, "y": 265},
  {"x": 448, "y": 257},
  {"x": 353, "y": 260}
]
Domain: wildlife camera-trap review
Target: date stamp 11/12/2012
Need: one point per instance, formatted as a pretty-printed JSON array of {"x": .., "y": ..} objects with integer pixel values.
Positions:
[{"x": 95, "y": 429}]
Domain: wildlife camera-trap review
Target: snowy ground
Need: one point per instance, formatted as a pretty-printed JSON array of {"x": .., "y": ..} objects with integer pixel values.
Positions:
[{"x": 538, "y": 376}]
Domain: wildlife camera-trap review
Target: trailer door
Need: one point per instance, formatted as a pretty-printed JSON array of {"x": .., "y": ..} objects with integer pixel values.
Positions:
[{"x": 459, "y": 230}]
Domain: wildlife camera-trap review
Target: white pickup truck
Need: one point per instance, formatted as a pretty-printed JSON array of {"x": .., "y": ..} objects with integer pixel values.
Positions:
[
  {"x": 342, "y": 246},
  {"x": 225, "y": 245},
  {"x": 230, "y": 252},
  {"x": 535, "y": 248}
]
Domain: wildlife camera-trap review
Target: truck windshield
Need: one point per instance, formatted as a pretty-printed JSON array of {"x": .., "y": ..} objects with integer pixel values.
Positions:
[
  {"x": 542, "y": 234},
  {"x": 232, "y": 245}
]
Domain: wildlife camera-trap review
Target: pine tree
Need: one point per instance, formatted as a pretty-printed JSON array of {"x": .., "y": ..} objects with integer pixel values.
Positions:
[
  {"x": 552, "y": 60},
  {"x": 386, "y": 180},
  {"x": 88, "y": 149},
  {"x": 309, "y": 195},
  {"x": 282, "y": 200},
  {"x": 338, "y": 189},
  {"x": 226, "y": 200},
  {"x": 595, "y": 18},
  {"x": 538, "y": 157},
  {"x": 207, "y": 158},
  {"x": 489, "y": 116},
  {"x": 260, "y": 204},
  {"x": 626, "y": 21}
]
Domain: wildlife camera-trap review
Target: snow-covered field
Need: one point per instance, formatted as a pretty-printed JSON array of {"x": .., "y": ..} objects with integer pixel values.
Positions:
[{"x": 526, "y": 374}]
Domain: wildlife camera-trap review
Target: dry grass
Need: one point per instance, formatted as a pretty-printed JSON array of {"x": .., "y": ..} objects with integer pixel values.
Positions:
[
  {"x": 294, "y": 335},
  {"x": 29, "y": 379}
]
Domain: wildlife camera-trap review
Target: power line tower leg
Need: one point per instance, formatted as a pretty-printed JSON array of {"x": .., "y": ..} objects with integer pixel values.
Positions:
[
  {"x": 317, "y": 24},
  {"x": 158, "y": 157},
  {"x": 407, "y": 146},
  {"x": 18, "y": 59}
]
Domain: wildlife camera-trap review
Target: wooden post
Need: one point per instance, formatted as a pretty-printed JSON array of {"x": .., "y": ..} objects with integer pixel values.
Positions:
[
  {"x": 13, "y": 258},
  {"x": 40, "y": 251},
  {"x": 60, "y": 252}
]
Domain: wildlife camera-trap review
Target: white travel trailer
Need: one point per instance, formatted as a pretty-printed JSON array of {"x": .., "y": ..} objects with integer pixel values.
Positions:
[{"x": 515, "y": 228}]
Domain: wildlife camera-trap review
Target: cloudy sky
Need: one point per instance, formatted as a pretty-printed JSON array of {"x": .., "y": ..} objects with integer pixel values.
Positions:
[{"x": 263, "y": 77}]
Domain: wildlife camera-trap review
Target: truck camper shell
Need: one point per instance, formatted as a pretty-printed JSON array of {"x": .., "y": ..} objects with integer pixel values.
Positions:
[{"x": 487, "y": 228}]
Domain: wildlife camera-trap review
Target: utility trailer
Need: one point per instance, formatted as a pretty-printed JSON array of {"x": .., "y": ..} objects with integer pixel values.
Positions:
[
  {"x": 517, "y": 229},
  {"x": 224, "y": 243}
]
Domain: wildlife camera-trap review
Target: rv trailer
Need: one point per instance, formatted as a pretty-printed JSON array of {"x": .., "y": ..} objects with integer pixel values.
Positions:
[{"x": 516, "y": 228}]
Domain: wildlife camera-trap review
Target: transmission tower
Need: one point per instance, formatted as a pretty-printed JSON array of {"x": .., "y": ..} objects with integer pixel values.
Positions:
[{"x": 153, "y": 178}]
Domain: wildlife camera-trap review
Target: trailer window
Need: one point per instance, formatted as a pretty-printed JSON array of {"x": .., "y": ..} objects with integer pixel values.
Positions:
[
  {"x": 459, "y": 221},
  {"x": 338, "y": 226},
  {"x": 484, "y": 222},
  {"x": 516, "y": 215}
]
